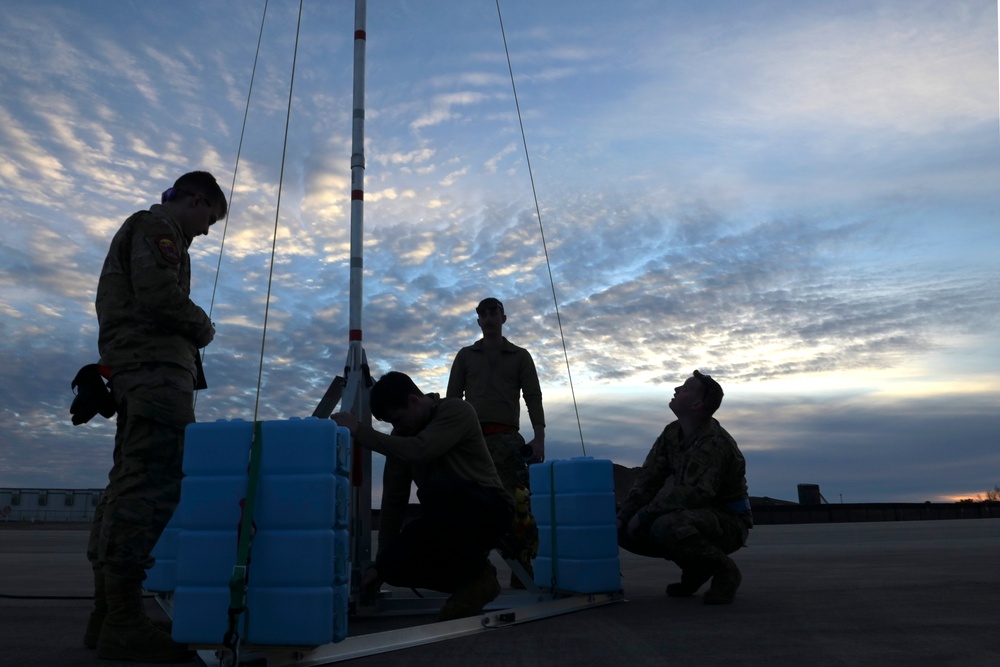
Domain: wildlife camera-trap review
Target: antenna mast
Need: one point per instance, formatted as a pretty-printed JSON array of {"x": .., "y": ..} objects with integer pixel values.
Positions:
[
  {"x": 354, "y": 387},
  {"x": 358, "y": 377}
]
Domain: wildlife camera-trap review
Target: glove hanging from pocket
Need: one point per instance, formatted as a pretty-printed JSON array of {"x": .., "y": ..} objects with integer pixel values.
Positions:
[{"x": 93, "y": 396}]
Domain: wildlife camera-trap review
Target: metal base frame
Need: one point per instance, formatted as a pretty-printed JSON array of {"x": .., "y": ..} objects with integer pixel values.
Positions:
[{"x": 533, "y": 608}]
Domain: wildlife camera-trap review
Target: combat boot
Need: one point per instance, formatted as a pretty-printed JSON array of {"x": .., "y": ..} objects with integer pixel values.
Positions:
[
  {"x": 127, "y": 632},
  {"x": 100, "y": 611},
  {"x": 726, "y": 579},
  {"x": 97, "y": 614},
  {"x": 470, "y": 598},
  {"x": 692, "y": 578}
]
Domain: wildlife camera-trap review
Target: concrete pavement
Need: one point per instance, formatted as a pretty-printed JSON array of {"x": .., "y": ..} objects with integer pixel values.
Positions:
[{"x": 887, "y": 593}]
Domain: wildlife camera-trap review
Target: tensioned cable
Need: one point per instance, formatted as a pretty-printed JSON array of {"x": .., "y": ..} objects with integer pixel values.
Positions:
[
  {"x": 236, "y": 167},
  {"x": 541, "y": 230},
  {"x": 277, "y": 209}
]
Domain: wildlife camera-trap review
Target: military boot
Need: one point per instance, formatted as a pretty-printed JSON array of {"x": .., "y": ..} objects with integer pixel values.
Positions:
[
  {"x": 726, "y": 579},
  {"x": 100, "y": 610},
  {"x": 97, "y": 614},
  {"x": 711, "y": 559},
  {"x": 127, "y": 632},
  {"x": 469, "y": 599},
  {"x": 692, "y": 578}
]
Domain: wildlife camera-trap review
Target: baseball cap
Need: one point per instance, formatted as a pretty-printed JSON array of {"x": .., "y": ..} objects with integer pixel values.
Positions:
[{"x": 489, "y": 304}]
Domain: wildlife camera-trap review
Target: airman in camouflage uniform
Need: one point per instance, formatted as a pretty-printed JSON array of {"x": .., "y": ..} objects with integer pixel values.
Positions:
[
  {"x": 150, "y": 334},
  {"x": 492, "y": 374},
  {"x": 464, "y": 510},
  {"x": 689, "y": 503}
]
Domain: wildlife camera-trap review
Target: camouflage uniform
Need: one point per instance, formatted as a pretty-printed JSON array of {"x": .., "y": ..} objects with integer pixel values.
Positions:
[
  {"x": 464, "y": 508},
  {"x": 150, "y": 331},
  {"x": 495, "y": 391},
  {"x": 505, "y": 448},
  {"x": 690, "y": 496}
]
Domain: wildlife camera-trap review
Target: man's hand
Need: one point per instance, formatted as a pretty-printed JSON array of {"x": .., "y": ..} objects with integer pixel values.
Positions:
[
  {"x": 206, "y": 337},
  {"x": 537, "y": 451},
  {"x": 347, "y": 420},
  {"x": 633, "y": 525}
]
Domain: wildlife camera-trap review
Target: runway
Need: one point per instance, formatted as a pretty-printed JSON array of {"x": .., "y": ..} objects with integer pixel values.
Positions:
[{"x": 883, "y": 593}]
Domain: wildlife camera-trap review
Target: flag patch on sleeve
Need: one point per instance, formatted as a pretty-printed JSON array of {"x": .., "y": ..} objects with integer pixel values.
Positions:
[{"x": 168, "y": 249}]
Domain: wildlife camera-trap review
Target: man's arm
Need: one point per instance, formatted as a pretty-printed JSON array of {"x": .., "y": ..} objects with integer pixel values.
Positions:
[
  {"x": 396, "y": 483},
  {"x": 155, "y": 262},
  {"x": 531, "y": 390},
  {"x": 452, "y": 420},
  {"x": 650, "y": 480},
  {"x": 537, "y": 445},
  {"x": 456, "y": 380},
  {"x": 697, "y": 485}
]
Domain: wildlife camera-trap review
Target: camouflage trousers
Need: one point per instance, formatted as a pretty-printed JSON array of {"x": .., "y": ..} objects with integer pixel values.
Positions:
[
  {"x": 522, "y": 540},
  {"x": 687, "y": 536},
  {"x": 144, "y": 483},
  {"x": 448, "y": 544}
]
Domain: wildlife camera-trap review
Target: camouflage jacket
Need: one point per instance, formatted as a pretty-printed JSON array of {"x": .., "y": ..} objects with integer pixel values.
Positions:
[
  {"x": 451, "y": 445},
  {"x": 144, "y": 309},
  {"x": 705, "y": 470}
]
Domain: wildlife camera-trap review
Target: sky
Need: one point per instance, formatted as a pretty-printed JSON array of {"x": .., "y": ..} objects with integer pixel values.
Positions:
[{"x": 800, "y": 199}]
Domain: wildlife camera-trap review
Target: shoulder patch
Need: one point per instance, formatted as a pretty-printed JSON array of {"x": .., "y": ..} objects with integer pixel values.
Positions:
[{"x": 168, "y": 249}]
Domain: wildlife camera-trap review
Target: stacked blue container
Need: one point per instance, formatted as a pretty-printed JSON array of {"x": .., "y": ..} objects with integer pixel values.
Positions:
[
  {"x": 573, "y": 502},
  {"x": 298, "y": 583},
  {"x": 216, "y": 456},
  {"x": 300, "y": 569},
  {"x": 162, "y": 577}
]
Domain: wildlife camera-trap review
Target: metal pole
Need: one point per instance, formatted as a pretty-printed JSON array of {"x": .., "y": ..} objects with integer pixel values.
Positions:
[
  {"x": 357, "y": 176},
  {"x": 357, "y": 376}
]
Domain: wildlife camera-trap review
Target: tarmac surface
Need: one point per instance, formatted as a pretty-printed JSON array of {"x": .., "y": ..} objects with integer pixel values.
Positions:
[{"x": 888, "y": 593}]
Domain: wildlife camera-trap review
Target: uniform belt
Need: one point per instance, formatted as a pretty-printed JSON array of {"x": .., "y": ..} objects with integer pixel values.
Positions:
[
  {"x": 491, "y": 428},
  {"x": 738, "y": 506}
]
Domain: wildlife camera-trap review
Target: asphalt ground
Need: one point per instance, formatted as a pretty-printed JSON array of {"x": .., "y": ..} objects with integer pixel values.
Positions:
[{"x": 888, "y": 593}]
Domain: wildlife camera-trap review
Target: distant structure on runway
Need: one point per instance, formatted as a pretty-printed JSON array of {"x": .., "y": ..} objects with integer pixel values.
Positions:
[
  {"x": 48, "y": 504},
  {"x": 809, "y": 495},
  {"x": 77, "y": 505}
]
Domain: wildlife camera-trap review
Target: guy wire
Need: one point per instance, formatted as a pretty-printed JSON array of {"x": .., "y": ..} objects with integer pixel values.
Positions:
[
  {"x": 541, "y": 230},
  {"x": 277, "y": 209},
  {"x": 232, "y": 187}
]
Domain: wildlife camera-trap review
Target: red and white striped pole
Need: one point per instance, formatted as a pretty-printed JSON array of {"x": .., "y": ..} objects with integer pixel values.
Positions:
[
  {"x": 356, "y": 390},
  {"x": 357, "y": 182},
  {"x": 355, "y": 356}
]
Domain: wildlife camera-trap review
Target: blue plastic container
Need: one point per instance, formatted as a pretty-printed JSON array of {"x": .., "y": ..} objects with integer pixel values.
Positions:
[
  {"x": 216, "y": 456},
  {"x": 573, "y": 502},
  {"x": 162, "y": 577},
  {"x": 343, "y": 506},
  {"x": 298, "y": 583}
]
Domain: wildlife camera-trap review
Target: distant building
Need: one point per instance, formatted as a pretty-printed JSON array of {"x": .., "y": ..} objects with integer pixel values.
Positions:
[{"x": 48, "y": 504}]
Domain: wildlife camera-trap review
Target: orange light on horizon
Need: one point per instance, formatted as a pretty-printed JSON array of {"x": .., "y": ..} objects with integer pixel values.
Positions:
[{"x": 978, "y": 497}]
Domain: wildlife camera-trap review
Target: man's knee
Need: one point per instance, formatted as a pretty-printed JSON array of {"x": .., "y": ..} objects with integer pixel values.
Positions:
[
  {"x": 734, "y": 538},
  {"x": 639, "y": 545},
  {"x": 127, "y": 536},
  {"x": 670, "y": 529}
]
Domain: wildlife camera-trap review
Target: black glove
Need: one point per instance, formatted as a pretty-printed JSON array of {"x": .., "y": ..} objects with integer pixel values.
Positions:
[{"x": 92, "y": 396}]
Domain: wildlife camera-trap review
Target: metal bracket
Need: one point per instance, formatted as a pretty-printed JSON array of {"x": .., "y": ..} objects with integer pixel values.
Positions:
[{"x": 330, "y": 398}]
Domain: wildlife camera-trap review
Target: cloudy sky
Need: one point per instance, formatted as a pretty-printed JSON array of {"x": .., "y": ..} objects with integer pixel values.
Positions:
[{"x": 799, "y": 198}]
